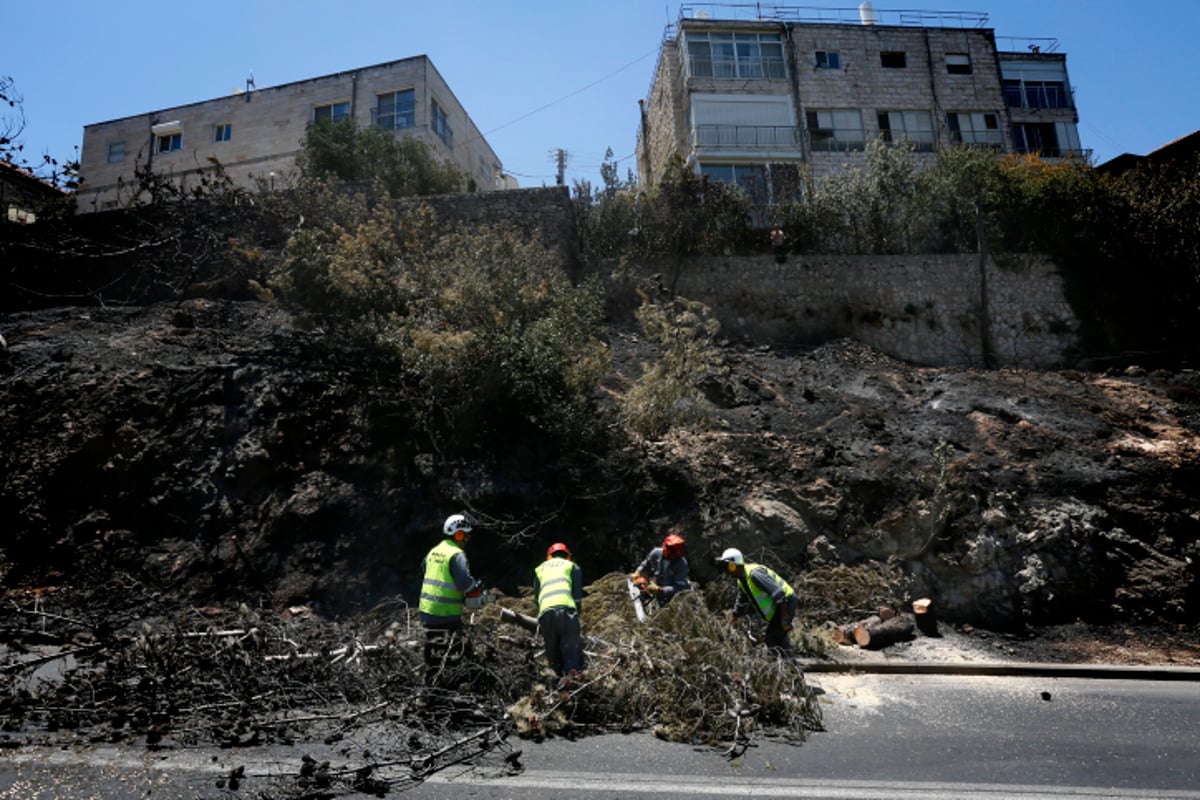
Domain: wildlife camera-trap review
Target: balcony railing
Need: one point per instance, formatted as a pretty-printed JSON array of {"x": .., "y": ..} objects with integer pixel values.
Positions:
[
  {"x": 737, "y": 68},
  {"x": 745, "y": 137},
  {"x": 1032, "y": 96}
]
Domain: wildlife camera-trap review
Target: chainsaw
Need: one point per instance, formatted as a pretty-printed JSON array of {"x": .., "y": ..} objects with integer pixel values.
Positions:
[
  {"x": 640, "y": 596},
  {"x": 635, "y": 594}
]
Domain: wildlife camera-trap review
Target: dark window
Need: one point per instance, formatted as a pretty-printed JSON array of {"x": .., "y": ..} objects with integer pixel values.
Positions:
[
  {"x": 396, "y": 110},
  {"x": 332, "y": 111},
  {"x": 170, "y": 142},
  {"x": 1039, "y": 137},
  {"x": 958, "y": 63},
  {"x": 828, "y": 59},
  {"x": 441, "y": 125},
  {"x": 893, "y": 59},
  {"x": 223, "y": 133}
]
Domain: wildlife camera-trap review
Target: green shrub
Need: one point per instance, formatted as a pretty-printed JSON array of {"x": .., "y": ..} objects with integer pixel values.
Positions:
[
  {"x": 668, "y": 393},
  {"x": 483, "y": 325}
]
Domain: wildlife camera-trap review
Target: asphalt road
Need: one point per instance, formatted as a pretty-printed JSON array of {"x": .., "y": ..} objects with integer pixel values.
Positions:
[{"x": 893, "y": 737}]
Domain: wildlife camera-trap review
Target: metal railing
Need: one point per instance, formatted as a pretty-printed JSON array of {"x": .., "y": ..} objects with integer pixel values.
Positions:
[
  {"x": 759, "y": 67},
  {"x": 748, "y": 137},
  {"x": 774, "y": 12},
  {"x": 1031, "y": 96}
]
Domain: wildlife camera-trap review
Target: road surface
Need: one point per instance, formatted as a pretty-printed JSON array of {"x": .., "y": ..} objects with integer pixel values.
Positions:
[{"x": 891, "y": 737}]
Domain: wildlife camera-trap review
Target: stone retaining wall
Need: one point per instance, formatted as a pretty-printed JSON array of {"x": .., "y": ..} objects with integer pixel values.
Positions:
[{"x": 923, "y": 309}]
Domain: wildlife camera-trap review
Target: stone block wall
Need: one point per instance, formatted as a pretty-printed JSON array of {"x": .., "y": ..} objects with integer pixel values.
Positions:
[
  {"x": 924, "y": 309},
  {"x": 545, "y": 214}
]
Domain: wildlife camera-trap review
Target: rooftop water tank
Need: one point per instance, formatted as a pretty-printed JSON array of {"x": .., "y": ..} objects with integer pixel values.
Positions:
[{"x": 866, "y": 12}]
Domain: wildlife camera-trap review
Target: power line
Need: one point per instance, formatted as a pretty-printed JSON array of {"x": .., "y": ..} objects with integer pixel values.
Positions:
[{"x": 572, "y": 94}]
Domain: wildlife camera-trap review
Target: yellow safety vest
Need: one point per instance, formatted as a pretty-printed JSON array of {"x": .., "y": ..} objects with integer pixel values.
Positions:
[
  {"x": 761, "y": 599},
  {"x": 440, "y": 597},
  {"x": 554, "y": 581}
]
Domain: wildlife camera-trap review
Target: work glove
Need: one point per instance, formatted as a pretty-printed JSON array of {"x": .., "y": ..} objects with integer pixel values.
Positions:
[{"x": 653, "y": 588}]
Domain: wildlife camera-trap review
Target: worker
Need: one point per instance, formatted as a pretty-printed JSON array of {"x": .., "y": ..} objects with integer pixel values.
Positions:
[
  {"x": 558, "y": 587},
  {"x": 447, "y": 588},
  {"x": 763, "y": 591},
  {"x": 664, "y": 571}
]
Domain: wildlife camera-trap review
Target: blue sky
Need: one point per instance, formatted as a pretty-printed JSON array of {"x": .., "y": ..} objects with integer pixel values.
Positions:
[{"x": 535, "y": 75}]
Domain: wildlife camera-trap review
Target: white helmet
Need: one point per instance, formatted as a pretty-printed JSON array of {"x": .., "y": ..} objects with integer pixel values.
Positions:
[
  {"x": 455, "y": 523},
  {"x": 732, "y": 556}
]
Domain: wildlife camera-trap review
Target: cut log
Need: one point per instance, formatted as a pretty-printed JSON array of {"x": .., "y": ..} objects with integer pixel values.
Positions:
[
  {"x": 885, "y": 612},
  {"x": 926, "y": 617},
  {"x": 844, "y": 634},
  {"x": 881, "y": 633},
  {"x": 516, "y": 618}
]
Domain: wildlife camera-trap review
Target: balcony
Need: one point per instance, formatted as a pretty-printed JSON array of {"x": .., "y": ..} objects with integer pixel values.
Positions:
[
  {"x": 744, "y": 137},
  {"x": 737, "y": 68}
]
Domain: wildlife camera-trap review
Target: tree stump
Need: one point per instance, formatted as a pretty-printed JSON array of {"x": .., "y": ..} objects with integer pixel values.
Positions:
[
  {"x": 881, "y": 633},
  {"x": 926, "y": 617}
]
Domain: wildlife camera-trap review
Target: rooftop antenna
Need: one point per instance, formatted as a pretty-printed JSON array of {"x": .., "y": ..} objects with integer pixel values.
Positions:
[{"x": 250, "y": 85}]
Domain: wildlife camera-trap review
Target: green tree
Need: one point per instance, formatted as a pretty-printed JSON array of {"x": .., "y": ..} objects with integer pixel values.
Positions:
[
  {"x": 486, "y": 326},
  {"x": 405, "y": 166}
]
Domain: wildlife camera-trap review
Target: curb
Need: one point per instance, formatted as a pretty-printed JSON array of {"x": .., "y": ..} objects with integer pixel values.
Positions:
[{"x": 1009, "y": 668}]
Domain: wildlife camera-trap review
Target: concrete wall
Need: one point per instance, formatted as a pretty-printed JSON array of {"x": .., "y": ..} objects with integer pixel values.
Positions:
[{"x": 923, "y": 309}]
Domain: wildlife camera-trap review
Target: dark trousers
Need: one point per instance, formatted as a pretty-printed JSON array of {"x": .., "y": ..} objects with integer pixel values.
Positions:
[
  {"x": 776, "y": 637},
  {"x": 560, "y": 632}
]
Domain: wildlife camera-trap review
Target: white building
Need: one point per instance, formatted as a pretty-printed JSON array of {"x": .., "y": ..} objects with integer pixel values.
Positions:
[{"x": 255, "y": 133}]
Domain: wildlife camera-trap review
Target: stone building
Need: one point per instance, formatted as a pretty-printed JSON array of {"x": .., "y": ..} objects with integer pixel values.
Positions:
[
  {"x": 255, "y": 133},
  {"x": 752, "y": 100},
  {"x": 23, "y": 195}
]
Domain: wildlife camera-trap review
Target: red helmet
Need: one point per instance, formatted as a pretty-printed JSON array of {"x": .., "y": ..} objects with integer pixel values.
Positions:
[
  {"x": 558, "y": 547},
  {"x": 673, "y": 546}
]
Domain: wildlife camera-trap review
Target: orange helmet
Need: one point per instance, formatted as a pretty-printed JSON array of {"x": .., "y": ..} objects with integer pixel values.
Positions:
[
  {"x": 672, "y": 546},
  {"x": 558, "y": 547}
]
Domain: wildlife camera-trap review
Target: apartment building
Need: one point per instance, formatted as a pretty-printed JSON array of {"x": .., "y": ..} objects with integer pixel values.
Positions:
[
  {"x": 256, "y": 133},
  {"x": 752, "y": 100}
]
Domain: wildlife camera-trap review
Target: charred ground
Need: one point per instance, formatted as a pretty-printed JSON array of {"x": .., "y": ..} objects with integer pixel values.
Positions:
[{"x": 209, "y": 449}]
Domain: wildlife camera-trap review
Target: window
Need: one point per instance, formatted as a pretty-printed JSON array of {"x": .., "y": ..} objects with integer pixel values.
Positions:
[
  {"x": 222, "y": 133},
  {"x": 735, "y": 55},
  {"x": 331, "y": 111},
  {"x": 759, "y": 121},
  {"x": 958, "y": 63},
  {"x": 836, "y": 129},
  {"x": 752, "y": 178},
  {"x": 975, "y": 128},
  {"x": 893, "y": 59},
  {"x": 915, "y": 126},
  {"x": 116, "y": 152},
  {"x": 1039, "y": 137},
  {"x": 396, "y": 110},
  {"x": 828, "y": 59},
  {"x": 170, "y": 142},
  {"x": 437, "y": 117},
  {"x": 1035, "y": 94},
  {"x": 21, "y": 216}
]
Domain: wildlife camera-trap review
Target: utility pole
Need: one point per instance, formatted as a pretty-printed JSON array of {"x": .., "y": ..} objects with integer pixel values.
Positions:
[{"x": 560, "y": 159}]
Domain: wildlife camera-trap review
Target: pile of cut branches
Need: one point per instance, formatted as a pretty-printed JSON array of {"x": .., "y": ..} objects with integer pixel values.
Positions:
[{"x": 685, "y": 674}]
